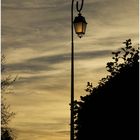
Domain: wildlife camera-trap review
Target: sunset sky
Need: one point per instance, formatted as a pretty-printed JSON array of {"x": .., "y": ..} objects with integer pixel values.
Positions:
[{"x": 36, "y": 41}]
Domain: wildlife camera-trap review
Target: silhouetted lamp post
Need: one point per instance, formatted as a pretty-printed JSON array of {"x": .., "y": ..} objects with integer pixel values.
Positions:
[{"x": 79, "y": 23}]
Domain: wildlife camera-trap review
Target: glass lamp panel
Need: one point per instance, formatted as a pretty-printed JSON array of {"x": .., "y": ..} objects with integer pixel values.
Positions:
[
  {"x": 78, "y": 27},
  {"x": 84, "y": 27}
]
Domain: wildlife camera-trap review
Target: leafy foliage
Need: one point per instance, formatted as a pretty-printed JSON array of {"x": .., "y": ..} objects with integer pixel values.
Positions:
[
  {"x": 110, "y": 110},
  {"x": 6, "y": 114}
]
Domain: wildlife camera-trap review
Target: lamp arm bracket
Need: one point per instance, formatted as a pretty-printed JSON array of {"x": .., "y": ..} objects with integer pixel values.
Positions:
[{"x": 77, "y": 6}]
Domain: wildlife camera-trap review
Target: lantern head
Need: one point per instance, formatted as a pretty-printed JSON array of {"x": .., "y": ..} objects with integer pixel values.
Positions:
[{"x": 80, "y": 25}]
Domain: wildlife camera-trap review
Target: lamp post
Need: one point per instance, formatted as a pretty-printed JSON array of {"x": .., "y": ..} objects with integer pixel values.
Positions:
[{"x": 79, "y": 23}]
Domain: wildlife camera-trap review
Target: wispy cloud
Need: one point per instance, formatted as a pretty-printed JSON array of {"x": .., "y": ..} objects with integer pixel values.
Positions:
[{"x": 36, "y": 41}]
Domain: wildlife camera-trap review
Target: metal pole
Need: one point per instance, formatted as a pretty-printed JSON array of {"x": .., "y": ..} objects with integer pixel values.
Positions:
[
  {"x": 72, "y": 77},
  {"x": 72, "y": 70}
]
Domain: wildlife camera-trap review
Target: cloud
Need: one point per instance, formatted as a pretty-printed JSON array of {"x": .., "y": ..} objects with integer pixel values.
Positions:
[
  {"x": 54, "y": 70},
  {"x": 55, "y": 59},
  {"x": 36, "y": 40},
  {"x": 66, "y": 57},
  {"x": 32, "y": 4},
  {"x": 23, "y": 134}
]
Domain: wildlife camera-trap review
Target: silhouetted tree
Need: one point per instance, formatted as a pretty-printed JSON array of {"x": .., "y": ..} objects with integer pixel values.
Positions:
[
  {"x": 6, "y": 114},
  {"x": 110, "y": 111}
]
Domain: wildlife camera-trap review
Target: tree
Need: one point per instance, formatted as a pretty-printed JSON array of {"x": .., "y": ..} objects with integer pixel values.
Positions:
[
  {"x": 111, "y": 110},
  {"x": 6, "y": 114}
]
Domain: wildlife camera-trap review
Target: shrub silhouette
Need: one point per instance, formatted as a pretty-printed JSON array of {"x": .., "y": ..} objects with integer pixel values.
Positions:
[
  {"x": 6, "y": 114},
  {"x": 110, "y": 111}
]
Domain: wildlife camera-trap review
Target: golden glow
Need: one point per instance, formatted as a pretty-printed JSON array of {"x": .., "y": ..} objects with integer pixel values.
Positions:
[
  {"x": 36, "y": 43},
  {"x": 78, "y": 27}
]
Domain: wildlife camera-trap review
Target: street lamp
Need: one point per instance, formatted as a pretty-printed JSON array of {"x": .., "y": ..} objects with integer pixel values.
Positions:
[{"x": 79, "y": 23}]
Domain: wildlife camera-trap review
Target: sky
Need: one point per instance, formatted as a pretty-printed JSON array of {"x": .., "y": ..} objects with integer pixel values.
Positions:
[{"x": 36, "y": 41}]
